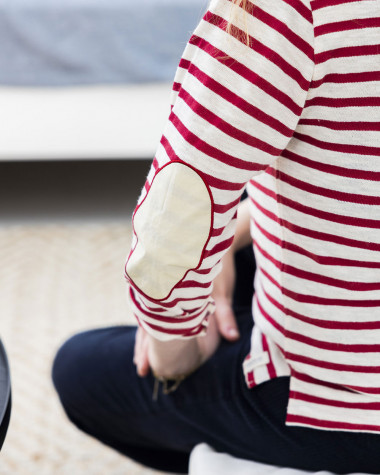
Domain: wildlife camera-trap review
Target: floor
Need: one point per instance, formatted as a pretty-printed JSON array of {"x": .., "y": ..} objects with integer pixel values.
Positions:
[{"x": 64, "y": 234}]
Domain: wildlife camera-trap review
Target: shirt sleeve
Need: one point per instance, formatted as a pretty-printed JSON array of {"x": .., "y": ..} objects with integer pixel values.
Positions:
[{"x": 235, "y": 107}]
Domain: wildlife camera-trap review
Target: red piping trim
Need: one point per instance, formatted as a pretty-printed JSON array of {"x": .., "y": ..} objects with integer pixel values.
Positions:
[{"x": 204, "y": 247}]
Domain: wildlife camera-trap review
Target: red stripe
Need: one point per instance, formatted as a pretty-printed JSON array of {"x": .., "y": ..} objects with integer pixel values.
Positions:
[
  {"x": 318, "y": 278},
  {"x": 214, "y": 152},
  {"x": 158, "y": 317},
  {"x": 317, "y": 5},
  {"x": 268, "y": 317},
  {"x": 214, "y": 182},
  {"x": 291, "y": 418},
  {"x": 319, "y": 259},
  {"x": 347, "y": 52},
  {"x": 346, "y": 25},
  {"x": 217, "y": 232},
  {"x": 220, "y": 184},
  {"x": 247, "y": 74},
  {"x": 365, "y": 390},
  {"x": 309, "y": 379},
  {"x": 250, "y": 380},
  {"x": 265, "y": 190},
  {"x": 284, "y": 30},
  {"x": 224, "y": 208},
  {"x": 239, "y": 102},
  {"x": 316, "y": 300},
  {"x": 155, "y": 164},
  {"x": 332, "y": 169},
  {"x": 346, "y": 78},
  {"x": 268, "y": 256},
  {"x": 176, "y": 86},
  {"x": 335, "y": 125},
  {"x": 335, "y": 147},
  {"x": 320, "y": 214},
  {"x": 335, "y": 325},
  {"x": 221, "y": 246},
  {"x": 297, "y": 5},
  {"x": 343, "y": 102},
  {"x": 329, "y": 324},
  {"x": 331, "y": 365},
  {"x": 326, "y": 345},
  {"x": 186, "y": 284},
  {"x": 320, "y": 236},
  {"x": 270, "y": 367},
  {"x": 169, "y": 304},
  {"x": 274, "y": 302},
  {"x": 369, "y": 406},
  {"x": 182, "y": 332},
  {"x": 202, "y": 271},
  {"x": 195, "y": 310},
  {"x": 209, "y": 179},
  {"x": 321, "y": 191},
  {"x": 250, "y": 376},
  {"x": 301, "y": 9},
  {"x": 270, "y": 278},
  {"x": 173, "y": 303},
  {"x": 184, "y": 63},
  {"x": 266, "y": 52},
  {"x": 229, "y": 129}
]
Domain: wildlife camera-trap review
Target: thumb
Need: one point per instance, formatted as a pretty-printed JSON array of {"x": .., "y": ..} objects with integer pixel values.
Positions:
[
  {"x": 143, "y": 362},
  {"x": 226, "y": 321}
]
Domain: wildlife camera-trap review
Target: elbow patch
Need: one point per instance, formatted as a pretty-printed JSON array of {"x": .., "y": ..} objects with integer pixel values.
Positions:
[{"x": 172, "y": 226}]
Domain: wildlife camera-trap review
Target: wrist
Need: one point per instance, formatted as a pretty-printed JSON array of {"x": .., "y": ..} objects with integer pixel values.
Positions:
[{"x": 175, "y": 358}]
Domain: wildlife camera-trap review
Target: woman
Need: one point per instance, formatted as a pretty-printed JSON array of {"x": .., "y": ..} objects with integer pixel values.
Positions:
[{"x": 281, "y": 96}]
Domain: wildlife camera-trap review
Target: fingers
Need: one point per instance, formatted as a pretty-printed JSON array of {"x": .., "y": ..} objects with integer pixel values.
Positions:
[
  {"x": 143, "y": 363},
  {"x": 140, "y": 356},
  {"x": 226, "y": 321},
  {"x": 137, "y": 345}
]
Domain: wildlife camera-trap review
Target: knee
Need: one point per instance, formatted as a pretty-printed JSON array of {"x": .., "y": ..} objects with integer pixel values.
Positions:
[
  {"x": 68, "y": 367},
  {"x": 90, "y": 365}
]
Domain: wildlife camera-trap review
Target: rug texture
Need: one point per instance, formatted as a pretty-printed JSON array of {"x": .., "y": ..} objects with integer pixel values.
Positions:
[{"x": 56, "y": 280}]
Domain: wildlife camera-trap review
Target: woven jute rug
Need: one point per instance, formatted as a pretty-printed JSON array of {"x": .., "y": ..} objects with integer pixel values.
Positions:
[{"x": 56, "y": 280}]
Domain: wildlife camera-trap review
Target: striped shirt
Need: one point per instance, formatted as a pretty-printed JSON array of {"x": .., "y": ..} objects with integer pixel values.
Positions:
[{"x": 295, "y": 116}]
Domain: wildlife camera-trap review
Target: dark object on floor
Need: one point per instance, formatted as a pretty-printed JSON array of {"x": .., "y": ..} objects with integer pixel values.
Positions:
[{"x": 5, "y": 394}]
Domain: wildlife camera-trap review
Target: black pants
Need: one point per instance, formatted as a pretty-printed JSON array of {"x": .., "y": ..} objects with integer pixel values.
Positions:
[{"x": 102, "y": 394}]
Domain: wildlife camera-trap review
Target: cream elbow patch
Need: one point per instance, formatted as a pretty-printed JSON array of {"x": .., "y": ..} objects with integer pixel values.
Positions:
[{"x": 172, "y": 226}]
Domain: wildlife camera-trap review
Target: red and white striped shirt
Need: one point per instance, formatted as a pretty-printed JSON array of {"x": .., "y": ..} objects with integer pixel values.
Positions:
[{"x": 296, "y": 115}]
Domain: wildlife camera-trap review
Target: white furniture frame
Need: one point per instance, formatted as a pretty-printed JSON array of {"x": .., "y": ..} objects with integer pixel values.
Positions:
[
  {"x": 82, "y": 122},
  {"x": 204, "y": 460}
]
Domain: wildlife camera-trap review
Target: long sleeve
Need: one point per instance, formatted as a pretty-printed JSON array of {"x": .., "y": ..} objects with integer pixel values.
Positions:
[{"x": 234, "y": 109}]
